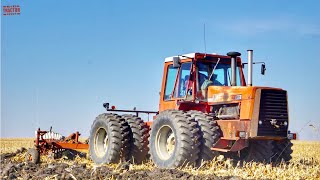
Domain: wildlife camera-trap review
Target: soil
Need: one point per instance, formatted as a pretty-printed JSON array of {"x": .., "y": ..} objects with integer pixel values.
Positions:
[{"x": 10, "y": 169}]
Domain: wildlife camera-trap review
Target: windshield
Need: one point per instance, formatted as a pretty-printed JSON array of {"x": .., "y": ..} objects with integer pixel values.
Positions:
[{"x": 220, "y": 77}]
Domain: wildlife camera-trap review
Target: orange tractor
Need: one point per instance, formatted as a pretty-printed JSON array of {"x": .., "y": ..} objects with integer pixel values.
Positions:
[{"x": 206, "y": 109}]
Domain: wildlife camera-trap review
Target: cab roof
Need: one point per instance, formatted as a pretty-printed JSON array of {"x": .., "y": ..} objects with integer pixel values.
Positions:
[{"x": 195, "y": 54}]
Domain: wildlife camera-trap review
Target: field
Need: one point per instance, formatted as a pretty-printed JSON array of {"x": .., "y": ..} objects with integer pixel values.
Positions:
[{"x": 304, "y": 165}]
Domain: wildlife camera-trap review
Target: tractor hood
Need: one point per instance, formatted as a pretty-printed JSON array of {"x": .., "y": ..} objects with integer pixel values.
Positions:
[
  {"x": 247, "y": 97},
  {"x": 230, "y": 94}
]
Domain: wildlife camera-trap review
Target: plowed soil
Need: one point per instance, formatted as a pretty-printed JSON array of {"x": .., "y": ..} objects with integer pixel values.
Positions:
[
  {"x": 305, "y": 164},
  {"x": 12, "y": 169}
]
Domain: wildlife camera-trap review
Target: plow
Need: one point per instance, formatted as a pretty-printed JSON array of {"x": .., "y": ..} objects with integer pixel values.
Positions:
[
  {"x": 206, "y": 108},
  {"x": 53, "y": 144}
]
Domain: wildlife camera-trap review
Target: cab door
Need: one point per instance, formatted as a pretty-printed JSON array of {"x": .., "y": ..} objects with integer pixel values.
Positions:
[{"x": 174, "y": 85}]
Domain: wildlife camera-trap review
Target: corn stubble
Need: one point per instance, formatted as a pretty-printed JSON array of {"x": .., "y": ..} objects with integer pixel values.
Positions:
[{"x": 305, "y": 163}]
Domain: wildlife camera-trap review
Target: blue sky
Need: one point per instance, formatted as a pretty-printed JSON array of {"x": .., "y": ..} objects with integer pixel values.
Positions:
[{"x": 60, "y": 60}]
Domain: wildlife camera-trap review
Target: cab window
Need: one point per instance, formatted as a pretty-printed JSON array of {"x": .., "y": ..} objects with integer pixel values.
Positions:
[
  {"x": 220, "y": 77},
  {"x": 183, "y": 80},
  {"x": 171, "y": 77}
]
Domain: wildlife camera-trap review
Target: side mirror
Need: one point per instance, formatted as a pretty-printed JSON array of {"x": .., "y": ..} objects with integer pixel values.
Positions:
[
  {"x": 176, "y": 62},
  {"x": 263, "y": 69}
]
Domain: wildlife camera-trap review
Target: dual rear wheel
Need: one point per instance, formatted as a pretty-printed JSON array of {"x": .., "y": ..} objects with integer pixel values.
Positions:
[{"x": 115, "y": 138}]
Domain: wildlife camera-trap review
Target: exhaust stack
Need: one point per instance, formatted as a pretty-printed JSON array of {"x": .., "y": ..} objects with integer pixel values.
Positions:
[
  {"x": 233, "y": 56},
  {"x": 250, "y": 62}
]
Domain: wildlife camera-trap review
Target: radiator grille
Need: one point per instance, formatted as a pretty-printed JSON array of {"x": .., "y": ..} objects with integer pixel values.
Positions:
[{"x": 273, "y": 107}]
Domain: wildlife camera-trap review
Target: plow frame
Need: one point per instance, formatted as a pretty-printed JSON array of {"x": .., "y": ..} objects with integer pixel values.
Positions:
[{"x": 45, "y": 146}]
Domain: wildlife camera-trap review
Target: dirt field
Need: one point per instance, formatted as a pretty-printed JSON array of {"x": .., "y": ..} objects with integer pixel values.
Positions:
[{"x": 304, "y": 165}]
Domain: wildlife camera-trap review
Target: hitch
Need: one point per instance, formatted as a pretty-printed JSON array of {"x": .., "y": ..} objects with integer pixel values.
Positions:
[{"x": 113, "y": 109}]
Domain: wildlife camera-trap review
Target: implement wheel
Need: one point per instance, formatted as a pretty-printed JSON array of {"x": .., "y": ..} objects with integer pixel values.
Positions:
[
  {"x": 174, "y": 140},
  {"x": 33, "y": 156},
  {"x": 108, "y": 140},
  {"x": 139, "y": 134}
]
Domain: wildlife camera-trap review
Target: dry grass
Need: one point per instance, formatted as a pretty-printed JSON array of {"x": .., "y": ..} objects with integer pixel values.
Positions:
[
  {"x": 305, "y": 163},
  {"x": 8, "y": 145}
]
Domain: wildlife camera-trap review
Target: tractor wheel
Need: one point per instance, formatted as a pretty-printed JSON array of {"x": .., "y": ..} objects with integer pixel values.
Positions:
[
  {"x": 174, "y": 140},
  {"x": 138, "y": 139},
  {"x": 108, "y": 142},
  {"x": 282, "y": 151},
  {"x": 33, "y": 156},
  {"x": 209, "y": 135},
  {"x": 258, "y": 151}
]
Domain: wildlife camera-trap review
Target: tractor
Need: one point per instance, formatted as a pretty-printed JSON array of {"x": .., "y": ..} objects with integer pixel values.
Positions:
[{"x": 206, "y": 109}]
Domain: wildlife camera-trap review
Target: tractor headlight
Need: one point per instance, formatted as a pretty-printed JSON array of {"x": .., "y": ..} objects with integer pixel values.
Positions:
[
  {"x": 236, "y": 97},
  {"x": 242, "y": 134}
]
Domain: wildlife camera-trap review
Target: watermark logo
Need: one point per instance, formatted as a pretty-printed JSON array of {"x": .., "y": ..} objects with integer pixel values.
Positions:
[{"x": 11, "y": 10}]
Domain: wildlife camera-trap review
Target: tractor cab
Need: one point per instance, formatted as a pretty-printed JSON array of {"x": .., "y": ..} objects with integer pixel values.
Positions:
[{"x": 188, "y": 77}]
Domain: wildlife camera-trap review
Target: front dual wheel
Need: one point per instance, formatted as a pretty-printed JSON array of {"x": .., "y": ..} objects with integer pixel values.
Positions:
[
  {"x": 174, "y": 140},
  {"x": 108, "y": 142},
  {"x": 268, "y": 151}
]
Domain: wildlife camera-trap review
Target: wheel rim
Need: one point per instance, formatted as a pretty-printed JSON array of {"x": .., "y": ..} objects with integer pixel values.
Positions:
[
  {"x": 101, "y": 142},
  {"x": 165, "y": 142}
]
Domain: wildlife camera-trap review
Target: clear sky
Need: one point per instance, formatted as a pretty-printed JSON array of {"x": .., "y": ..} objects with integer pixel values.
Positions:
[{"x": 60, "y": 60}]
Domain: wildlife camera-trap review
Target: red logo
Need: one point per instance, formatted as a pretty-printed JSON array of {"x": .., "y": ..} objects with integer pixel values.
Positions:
[{"x": 11, "y": 10}]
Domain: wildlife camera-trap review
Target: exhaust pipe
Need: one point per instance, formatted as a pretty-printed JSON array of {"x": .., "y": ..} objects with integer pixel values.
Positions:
[
  {"x": 250, "y": 62},
  {"x": 233, "y": 56}
]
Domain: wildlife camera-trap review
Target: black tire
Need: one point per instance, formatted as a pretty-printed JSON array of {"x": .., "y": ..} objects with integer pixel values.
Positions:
[
  {"x": 138, "y": 139},
  {"x": 33, "y": 156},
  {"x": 113, "y": 129},
  {"x": 282, "y": 151},
  {"x": 209, "y": 135},
  {"x": 183, "y": 132},
  {"x": 258, "y": 151}
]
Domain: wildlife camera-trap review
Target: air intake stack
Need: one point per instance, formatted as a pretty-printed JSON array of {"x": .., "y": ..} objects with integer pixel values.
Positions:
[{"x": 233, "y": 56}]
